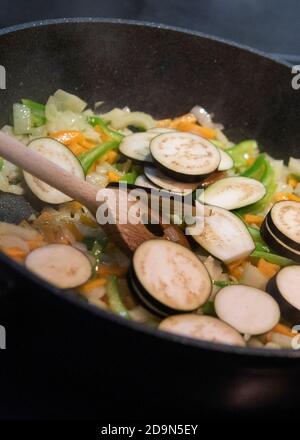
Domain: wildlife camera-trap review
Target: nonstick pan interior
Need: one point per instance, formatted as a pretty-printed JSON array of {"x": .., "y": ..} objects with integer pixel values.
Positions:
[{"x": 161, "y": 71}]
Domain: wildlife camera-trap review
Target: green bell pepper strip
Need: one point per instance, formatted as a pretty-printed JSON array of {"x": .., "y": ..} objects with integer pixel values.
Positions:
[
  {"x": 263, "y": 251},
  {"x": 224, "y": 283},
  {"x": 1, "y": 163},
  {"x": 262, "y": 247},
  {"x": 255, "y": 234},
  {"x": 257, "y": 169},
  {"x": 33, "y": 105},
  {"x": 101, "y": 239},
  {"x": 209, "y": 309},
  {"x": 268, "y": 176},
  {"x": 89, "y": 158},
  {"x": 95, "y": 120},
  {"x": 96, "y": 248},
  {"x": 240, "y": 153},
  {"x": 114, "y": 298},
  {"x": 269, "y": 182},
  {"x": 37, "y": 112},
  {"x": 272, "y": 258},
  {"x": 129, "y": 177}
]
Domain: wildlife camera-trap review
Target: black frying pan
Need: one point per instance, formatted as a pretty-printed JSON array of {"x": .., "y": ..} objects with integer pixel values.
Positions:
[{"x": 67, "y": 359}]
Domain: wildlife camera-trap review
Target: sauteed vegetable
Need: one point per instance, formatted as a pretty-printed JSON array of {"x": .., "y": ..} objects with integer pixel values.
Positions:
[{"x": 236, "y": 281}]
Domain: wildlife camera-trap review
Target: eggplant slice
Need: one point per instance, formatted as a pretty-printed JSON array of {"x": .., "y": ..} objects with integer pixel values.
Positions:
[
  {"x": 248, "y": 310},
  {"x": 276, "y": 244},
  {"x": 284, "y": 222},
  {"x": 167, "y": 183},
  {"x": 224, "y": 235},
  {"x": 184, "y": 156},
  {"x": 60, "y": 264},
  {"x": 170, "y": 277},
  {"x": 136, "y": 146},
  {"x": 60, "y": 155},
  {"x": 144, "y": 182},
  {"x": 153, "y": 306},
  {"x": 233, "y": 192},
  {"x": 205, "y": 328},
  {"x": 285, "y": 289}
]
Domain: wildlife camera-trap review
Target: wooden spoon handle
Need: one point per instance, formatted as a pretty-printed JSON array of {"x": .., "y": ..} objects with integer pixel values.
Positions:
[
  {"x": 34, "y": 163},
  {"x": 128, "y": 236}
]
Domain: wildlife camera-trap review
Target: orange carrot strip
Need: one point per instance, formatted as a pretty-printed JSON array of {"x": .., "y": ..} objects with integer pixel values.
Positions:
[
  {"x": 284, "y": 330},
  {"x": 250, "y": 161},
  {"x": 15, "y": 253},
  {"x": 286, "y": 196},
  {"x": 87, "y": 144},
  {"x": 67, "y": 137},
  {"x": 92, "y": 284},
  {"x": 266, "y": 268},
  {"x": 73, "y": 139},
  {"x": 110, "y": 157},
  {"x": 188, "y": 117},
  {"x": 252, "y": 219},
  {"x": 236, "y": 268},
  {"x": 45, "y": 217},
  {"x": 113, "y": 177},
  {"x": 104, "y": 136},
  {"x": 206, "y": 132},
  {"x": 76, "y": 148}
]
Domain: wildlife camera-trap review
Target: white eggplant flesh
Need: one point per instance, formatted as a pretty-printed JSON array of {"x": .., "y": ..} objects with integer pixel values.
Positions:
[
  {"x": 136, "y": 146},
  {"x": 248, "y": 310},
  {"x": 171, "y": 275},
  {"x": 59, "y": 154},
  {"x": 224, "y": 235},
  {"x": 205, "y": 328},
  {"x": 64, "y": 266},
  {"x": 226, "y": 161},
  {"x": 184, "y": 156},
  {"x": 233, "y": 192},
  {"x": 167, "y": 183},
  {"x": 143, "y": 181}
]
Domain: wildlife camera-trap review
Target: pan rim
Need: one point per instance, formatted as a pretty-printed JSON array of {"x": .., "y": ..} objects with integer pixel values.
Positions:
[
  {"x": 242, "y": 352},
  {"x": 141, "y": 23}
]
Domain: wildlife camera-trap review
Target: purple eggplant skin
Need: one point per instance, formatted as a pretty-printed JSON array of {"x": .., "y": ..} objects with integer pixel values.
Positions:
[
  {"x": 150, "y": 303},
  {"x": 275, "y": 245},
  {"x": 288, "y": 312},
  {"x": 281, "y": 236},
  {"x": 182, "y": 177}
]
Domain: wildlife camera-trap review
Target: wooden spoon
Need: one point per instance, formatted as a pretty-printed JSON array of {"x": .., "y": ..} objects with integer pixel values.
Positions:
[{"x": 127, "y": 236}]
